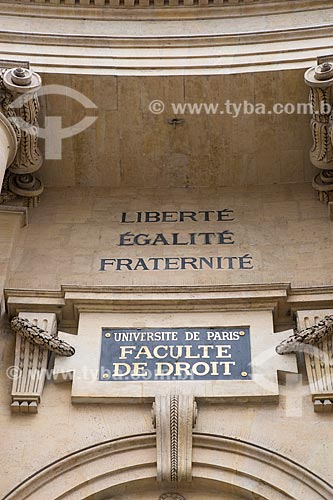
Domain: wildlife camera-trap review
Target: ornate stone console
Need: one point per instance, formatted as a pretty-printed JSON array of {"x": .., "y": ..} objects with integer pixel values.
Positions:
[
  {"x": 314, "y": 338},
  {"x": 36, "y": 336},
  {"x": 320, "y": 80},
  {"x": 20, "y": 157}
]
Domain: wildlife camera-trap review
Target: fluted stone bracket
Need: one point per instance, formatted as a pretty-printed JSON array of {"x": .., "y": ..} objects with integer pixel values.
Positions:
[
  {"x": 30, "y": 365},
  {"x": 174, "y": 417},
  {"x": 320, "y": 80},
  {"x": 19, "y": 107},
  {"x": 36, "y": 337},
  {"x": 314, "y": 338}
]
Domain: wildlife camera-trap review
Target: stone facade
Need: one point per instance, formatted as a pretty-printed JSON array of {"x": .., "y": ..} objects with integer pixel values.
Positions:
[{"x": 166, "y": 234}]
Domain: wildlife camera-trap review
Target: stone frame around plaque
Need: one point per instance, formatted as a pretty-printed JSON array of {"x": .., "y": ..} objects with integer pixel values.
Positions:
[{"x": 83, "y": 368}]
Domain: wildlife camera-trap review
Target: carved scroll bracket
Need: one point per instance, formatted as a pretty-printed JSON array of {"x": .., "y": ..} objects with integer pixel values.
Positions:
[
  {"x": 314, "y": 338},
  {"x": 20, "y": 107},
  {"x": 174, "y": 417},
  {"x": 320, "y": 80},
  {"x": 36, "y": 337}
]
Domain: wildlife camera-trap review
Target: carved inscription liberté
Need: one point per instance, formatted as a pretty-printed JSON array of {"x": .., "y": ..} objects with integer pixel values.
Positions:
[{"x": 132, "y": 237}]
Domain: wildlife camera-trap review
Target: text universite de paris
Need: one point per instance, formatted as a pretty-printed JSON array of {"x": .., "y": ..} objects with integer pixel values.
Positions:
[{"x": 215, "y": 353}]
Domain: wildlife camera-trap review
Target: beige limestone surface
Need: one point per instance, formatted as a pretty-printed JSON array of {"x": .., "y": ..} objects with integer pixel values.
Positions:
[
  {"x": 284, "y": 228},
  {"x": 10, "y": 225},
  {"x": 129, "y": 146}
]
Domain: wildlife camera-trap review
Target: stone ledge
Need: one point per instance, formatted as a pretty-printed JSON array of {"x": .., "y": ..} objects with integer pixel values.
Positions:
[{"x": 71, "y": 300}]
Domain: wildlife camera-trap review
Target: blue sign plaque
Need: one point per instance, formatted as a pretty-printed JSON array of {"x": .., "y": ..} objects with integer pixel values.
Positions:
[{"x": 204, "y": 353}]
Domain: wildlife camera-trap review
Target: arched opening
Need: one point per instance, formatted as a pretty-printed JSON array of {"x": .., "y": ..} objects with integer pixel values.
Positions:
[{"x": 223, "y": 468}]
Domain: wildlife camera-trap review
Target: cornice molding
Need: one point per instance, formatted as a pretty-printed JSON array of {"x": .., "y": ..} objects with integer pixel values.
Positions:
[
  {"x": 177, "y": 45},
  {"x": 160, "y": 9},
  {"x": 71, "y": 300}
]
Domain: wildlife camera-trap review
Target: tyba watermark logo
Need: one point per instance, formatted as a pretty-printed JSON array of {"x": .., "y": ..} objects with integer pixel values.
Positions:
[{"x": 53, "y": 132}]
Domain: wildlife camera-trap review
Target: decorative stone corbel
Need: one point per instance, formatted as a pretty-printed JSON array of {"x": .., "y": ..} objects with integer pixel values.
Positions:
[
  {"x": 174, "y": 417},
  {"x": 315, "y": 339},
  {"x": 320, "y": 80},
  {"x": 36, "y": 337},
  {"x": 19, "y": 107}
]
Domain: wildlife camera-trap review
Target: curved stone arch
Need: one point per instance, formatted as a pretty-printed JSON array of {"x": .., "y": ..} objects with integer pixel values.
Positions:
[
  {"x": 247, "y": 470},
  {"x": 256, "y": 469}
]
